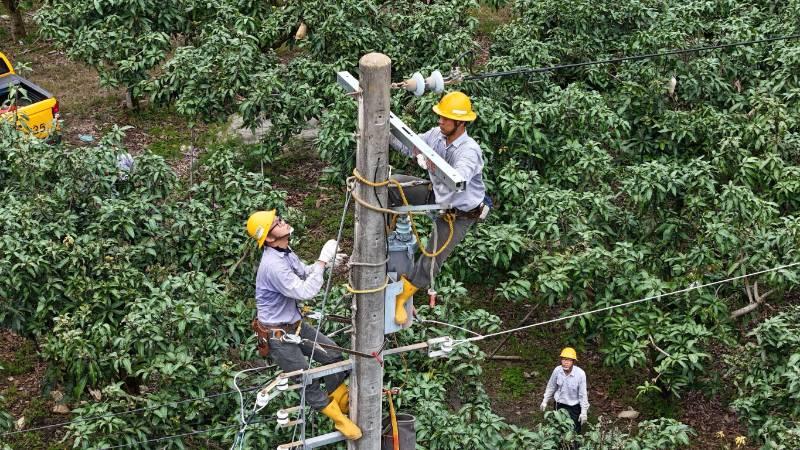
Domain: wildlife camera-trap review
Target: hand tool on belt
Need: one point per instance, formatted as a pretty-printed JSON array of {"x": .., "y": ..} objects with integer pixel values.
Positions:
[{"x": 265, "y": 332}]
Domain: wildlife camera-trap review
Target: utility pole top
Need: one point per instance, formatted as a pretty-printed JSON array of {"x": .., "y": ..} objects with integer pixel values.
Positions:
[{"x": 376, "y": 60}]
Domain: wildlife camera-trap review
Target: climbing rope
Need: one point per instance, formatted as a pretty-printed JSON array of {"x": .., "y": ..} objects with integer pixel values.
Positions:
[
  {"x": 352, "y": 290},
  {"x": 449, "y": 218}
]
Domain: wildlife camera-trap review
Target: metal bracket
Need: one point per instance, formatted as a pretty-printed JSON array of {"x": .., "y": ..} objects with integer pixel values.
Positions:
[
  {"x": 410, "y": 139},
  {"x": 420, "y": 208},
  {"x": 314, "y": 442}
]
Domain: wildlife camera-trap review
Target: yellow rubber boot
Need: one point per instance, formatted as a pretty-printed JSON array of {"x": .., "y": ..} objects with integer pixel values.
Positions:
[
  {"x": 400, "y": 316},
  {"x": 341, "y": 422},
  {"x": 342, "y": 397}
]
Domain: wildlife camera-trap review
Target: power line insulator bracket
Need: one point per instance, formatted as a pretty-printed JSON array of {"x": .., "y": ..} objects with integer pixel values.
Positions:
[{"x": 410, "y": 139}]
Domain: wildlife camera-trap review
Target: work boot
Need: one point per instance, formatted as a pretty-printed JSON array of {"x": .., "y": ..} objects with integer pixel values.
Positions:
[
  {"x": 400, "y": 316},
  {"x": 342, "y": 423},
  {"x": 342, "y": 397}
]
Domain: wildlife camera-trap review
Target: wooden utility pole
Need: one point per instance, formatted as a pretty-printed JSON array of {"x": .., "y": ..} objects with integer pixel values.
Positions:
[{"x": 372, "y": 161}]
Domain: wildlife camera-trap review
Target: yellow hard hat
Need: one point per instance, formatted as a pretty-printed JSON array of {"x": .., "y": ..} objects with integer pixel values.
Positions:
[
  {"x": 569, "y": 352},
  {"x": 258, "y": 225},
  {"x": 457, "y": 106}
]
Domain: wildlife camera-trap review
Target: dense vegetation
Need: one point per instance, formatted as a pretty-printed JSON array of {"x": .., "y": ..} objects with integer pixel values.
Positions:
[{"x": 612, "y": 182}]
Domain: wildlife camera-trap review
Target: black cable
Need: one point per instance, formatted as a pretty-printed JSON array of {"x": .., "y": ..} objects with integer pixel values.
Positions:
[
  {"x": 137, "y": 410},
  {"x": 525, "y": 70},
  {"x": 164, "y": 438}
]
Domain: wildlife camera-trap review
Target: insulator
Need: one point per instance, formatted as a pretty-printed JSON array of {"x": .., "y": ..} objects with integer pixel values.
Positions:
[
  {"x": 435, "y": 82},
  {"x": 283, "y": 384},
  {"x": 415, "y": 84},
  {"x": 262, "y": 399}
]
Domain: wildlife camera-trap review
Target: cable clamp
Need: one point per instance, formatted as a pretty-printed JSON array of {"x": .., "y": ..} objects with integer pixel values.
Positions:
[{"x": 440, "y": 347}]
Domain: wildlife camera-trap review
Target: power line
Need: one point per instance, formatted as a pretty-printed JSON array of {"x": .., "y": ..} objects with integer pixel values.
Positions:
[
  {"x": 131, "y": 411},
  {"x": 641, "y": 300},
  {"x": 526, "y": 70},
  {"x": 174, "y": 436}
]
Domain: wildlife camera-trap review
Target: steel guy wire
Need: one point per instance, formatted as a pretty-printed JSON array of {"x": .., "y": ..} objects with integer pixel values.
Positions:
[
  {"x": 526, "y": 70},
  {"x": 322, "y": 311},
  {"x": 691, "y": 287}
]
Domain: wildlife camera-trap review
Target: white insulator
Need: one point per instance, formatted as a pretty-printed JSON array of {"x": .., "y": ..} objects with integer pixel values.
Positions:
[
  {"x": 262, "y": 399},
  {"x": 435, "y": 82},
  {"x": 283, "y": 384},
  {"x": 415, "y": 84},
  {"x": 283, "y": 417}
]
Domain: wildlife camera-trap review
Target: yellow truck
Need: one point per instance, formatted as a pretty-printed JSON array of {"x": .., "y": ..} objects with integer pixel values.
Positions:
[{"x": 33, "y": 109}]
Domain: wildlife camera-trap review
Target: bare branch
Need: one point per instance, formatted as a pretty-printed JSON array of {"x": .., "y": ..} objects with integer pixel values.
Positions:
[
  {"x": 754, "y": 302},
  {"x": 652, "y": 341}
]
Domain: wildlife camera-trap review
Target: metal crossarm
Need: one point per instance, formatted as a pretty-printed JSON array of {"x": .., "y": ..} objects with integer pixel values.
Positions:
[
  {"x": 420, "y": 208},
  {"x": 314, "y": 442},
  {"x": 410, "y": 139}
]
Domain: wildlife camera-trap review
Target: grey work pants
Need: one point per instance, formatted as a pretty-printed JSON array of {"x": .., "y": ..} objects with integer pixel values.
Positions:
[
  {"x": 290, "y": 357},
  {"x": 423, "y": 195}
]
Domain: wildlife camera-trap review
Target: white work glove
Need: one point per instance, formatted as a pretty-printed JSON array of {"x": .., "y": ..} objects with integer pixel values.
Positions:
[
  {"x": 422, "y": 161},
  {"x": 543, "y": 407},
  {"x": 583, "y": 418},
  {"x": 339, "y": 260},
  {"x": 328, "y": 253}
]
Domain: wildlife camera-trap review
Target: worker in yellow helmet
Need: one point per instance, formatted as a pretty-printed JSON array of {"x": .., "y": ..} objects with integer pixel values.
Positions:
[
  {"x": 450, "y": 141},
  {"x": 281, "y": 281},
  {"x": 567, "y": 386}
]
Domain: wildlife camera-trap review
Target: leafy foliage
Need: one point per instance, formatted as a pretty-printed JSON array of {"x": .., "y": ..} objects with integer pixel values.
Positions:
[
  {"x": 765, "y": 372},
  {"x": 612, "y": 182}
]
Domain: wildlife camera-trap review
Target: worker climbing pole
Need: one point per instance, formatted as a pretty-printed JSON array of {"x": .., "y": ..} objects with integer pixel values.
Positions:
[{"x": 368, "y": 273}]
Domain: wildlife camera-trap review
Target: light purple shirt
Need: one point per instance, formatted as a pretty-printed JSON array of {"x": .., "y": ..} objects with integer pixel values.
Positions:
[
  {"x": 465, "y": 156},
  {"x": 283, "y": 279}
]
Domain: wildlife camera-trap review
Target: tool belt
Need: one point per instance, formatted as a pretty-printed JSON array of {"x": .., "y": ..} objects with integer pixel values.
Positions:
[
  {"x": 471, "y": 214},
  {"x": 265, "y": 332}
]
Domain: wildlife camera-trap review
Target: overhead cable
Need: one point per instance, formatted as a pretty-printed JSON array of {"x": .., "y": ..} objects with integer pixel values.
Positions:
[
  {"x": 174, "y": 436},
  {"x": 131, "y": 411},
  {"x": 529, "y": 70},
  {"x": 641, "y": 300}
]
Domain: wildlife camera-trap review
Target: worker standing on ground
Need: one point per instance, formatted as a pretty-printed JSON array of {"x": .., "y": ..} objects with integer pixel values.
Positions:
[
  {"x": 281, "y": 281},
  {"x": 450, "y": 141},
  {"x": 567, "y": 386}
]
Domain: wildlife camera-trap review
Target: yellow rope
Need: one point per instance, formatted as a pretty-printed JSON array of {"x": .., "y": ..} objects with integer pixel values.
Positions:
[
  {"x": 449, "y": 218},
  {"x": 366, "y": 291}
]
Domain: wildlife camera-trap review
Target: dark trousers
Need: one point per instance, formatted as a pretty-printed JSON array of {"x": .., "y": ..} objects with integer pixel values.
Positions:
[
  {"x": 574, "y": 413},
  {"x": 423, "y": 195},
  {"x": 290, "y": 357}
]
